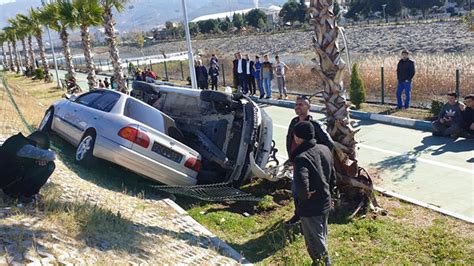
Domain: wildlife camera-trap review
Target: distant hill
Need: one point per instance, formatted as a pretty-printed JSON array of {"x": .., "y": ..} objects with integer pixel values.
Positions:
[{"x": 146, "y": 14}]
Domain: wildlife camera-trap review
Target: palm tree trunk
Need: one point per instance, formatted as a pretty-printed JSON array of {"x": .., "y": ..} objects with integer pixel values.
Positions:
[
  {"x": 4, "y": 59},
  {"x": 26, "y": 53},
  {"x": 10, "y": 54},
  {"x": 86, "y": 46},
  {"x": 17, "y": 60},
  {"x": 32, "y": 53},
  {"x": 64, "y": 35},
  {"x": 39, "y": 40},
  {"x": 330, "y": 71},
  {"x": 113, "y": 50}
]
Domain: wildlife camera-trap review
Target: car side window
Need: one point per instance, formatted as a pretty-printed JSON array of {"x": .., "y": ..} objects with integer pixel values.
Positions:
[
  {"x": 106, "y": 102},
  {"x": 88, "y": 98},
  {"x": 144, "y": 113}
]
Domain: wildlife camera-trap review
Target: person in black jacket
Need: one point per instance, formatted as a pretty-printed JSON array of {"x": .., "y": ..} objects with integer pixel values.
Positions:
[
  {"x": 26, "y": 165},
  {"x": 405, "y": 74},
  {"x": 249, "y": 73},
  {"x": 240, "y": 78},
  {"x": 302, "y": 106},
  {"x": 314, "y": 178},
  {"x": 201, "y": 76},
  {"x": 214, "y": 73}
]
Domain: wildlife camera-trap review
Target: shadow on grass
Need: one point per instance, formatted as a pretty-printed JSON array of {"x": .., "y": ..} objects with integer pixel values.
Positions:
[{"x": 105, "y": 174}]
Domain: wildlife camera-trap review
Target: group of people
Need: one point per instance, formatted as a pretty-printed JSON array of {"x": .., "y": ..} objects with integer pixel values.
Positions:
[
  {"x": 249, "y": 74},
  {"x": 203, "y": 75},
  {"x": 455, "y": 118},
  {"x": 106, "y": 84},
  {"x": 147, "y": 75}
]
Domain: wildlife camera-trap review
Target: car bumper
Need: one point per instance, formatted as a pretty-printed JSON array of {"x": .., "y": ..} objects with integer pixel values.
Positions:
[{"x": 123, "y": 156}]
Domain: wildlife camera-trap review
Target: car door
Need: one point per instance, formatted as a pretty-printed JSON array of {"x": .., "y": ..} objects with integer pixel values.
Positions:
[{"x": 72, "y": 115}]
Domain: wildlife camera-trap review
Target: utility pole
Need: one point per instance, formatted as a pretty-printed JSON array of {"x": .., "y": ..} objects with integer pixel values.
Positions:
[
  {"x": 192, "y": 71},
  {"x": 45, "y": 2},
  {"x": 384, "y": 15}
]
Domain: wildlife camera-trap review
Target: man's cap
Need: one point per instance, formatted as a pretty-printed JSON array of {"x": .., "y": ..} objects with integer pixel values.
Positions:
[
  {"x": 304, "y": 130},
  {"x": 405, "y": 52},
  {"x": 454, "y": 94},
  {"x": 470, "y": 96}
]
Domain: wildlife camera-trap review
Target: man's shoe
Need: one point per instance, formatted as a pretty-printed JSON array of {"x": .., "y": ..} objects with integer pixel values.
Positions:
[
  {"x": 295, "y": 219},
  {"x": 261, "y": 96},
  {"x": 268, "y": 97}
]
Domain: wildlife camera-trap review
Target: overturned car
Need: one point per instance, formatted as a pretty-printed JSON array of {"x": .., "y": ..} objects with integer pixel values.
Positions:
[{"x": 232, "y": 135}]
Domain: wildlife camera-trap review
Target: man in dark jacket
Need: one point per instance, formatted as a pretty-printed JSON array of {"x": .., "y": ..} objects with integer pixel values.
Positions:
[
  {"x": 26, "y": 165},
  {"x": 214, "y": 74},
  {"x": 314, "y": 178},
  {"x": 201, "y": 76},
  {"x": 302, "y": 106},
  {"x": 239, "y": 72},
  {"x": 405, "y": 73},
  {"x": 467, "y": 121},
  {"x": 249, "y": 73}
]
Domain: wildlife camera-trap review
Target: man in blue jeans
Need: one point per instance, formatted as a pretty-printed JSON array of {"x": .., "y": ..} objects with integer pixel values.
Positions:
[{"x": 405, "y": 73}]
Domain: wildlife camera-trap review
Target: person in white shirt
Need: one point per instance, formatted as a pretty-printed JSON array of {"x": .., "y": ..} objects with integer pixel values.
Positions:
[{"x": 280, "y": 69}]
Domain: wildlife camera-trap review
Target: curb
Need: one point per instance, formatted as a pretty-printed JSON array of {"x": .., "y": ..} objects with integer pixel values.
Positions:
[
  {"x": 216, "y": 242},
  {"x": 386, "y": 119}
]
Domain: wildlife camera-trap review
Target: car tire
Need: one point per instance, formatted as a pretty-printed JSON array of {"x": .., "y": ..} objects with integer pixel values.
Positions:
[
  {"x": 217, "y": 97},
  {"x": 45, "y": 125},
  {"x": 84, "y": 151}
]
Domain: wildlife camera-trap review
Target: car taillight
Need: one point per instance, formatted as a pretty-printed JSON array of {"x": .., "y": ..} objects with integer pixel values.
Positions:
[
  {"x": 193, "y": 163},
  {"x": 134, "y": 135}
]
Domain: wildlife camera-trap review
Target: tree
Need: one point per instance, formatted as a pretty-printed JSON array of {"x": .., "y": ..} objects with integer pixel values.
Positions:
[
  {"x": 22, "y": 33},
  {"x": 329, "y": 72},
  {"x": 60, "y": 16},
  {"x": 109, "y": 22},
  {"x": 29, "y": 27},
  {"x": 139, "y": 39},
  {"x": 253, "y": 16},
  {"x": 3, "y": 39},
  {"x": 238, "y": 20},
  {"x": 301, "y": 13},
  {"x": 357, "y": 87},
  {"x": 88, "y": 13},
  {"x": 193, "y": 28},
  {"x": 208, "y": 26},
  {"x": 394, "y": 8},
  {"x": 38, "y": 32},
  {"x": 289, "y": 11},
  {"x": 225, "y": 25},
  {"x": 424, "y": 5},
  {"x": 169, "y": 25},
  {"x": 10, "y": 36},
  {"x": 336, "y": 9},
  {"x": 11, "y": 33}
]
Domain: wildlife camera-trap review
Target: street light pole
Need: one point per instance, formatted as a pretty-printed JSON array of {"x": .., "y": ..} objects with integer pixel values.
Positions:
[
  {"x": 192, "y": 72},
  {"x": 44, "y": 2},
  {"x": 384, "y": 15}
]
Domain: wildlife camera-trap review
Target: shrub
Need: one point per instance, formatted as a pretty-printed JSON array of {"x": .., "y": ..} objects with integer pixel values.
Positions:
[
  {"x": 357, "y": 88},
  {"x": 39, "y": 73},
  {"x": 436, "y": 106}
]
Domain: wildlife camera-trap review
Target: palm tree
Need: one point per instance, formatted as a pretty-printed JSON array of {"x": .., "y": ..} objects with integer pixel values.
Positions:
[
  {"x": 109, "y": 23},
  {"x": 3, "y": 39},
  {"x": 89, "y": 13},
  {"x": 11, "y": 33},
  {"x": 22, "y": 33},
  {"x": 28, "y": 25},
  {"x": 330, "y": 71},
  {"x": 9, "y": 37},
  {"x": 38, "y": 32},
  {"x": 60, "y": 16}
]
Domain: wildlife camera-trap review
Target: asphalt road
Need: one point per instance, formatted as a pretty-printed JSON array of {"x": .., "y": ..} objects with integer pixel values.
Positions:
[{"x": 434, "y": 170}]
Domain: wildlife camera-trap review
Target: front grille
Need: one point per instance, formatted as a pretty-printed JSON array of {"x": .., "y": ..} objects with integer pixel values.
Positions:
[{"x": 167, "y": 152}]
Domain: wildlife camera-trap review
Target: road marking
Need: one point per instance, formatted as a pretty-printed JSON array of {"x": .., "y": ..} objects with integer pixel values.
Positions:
[{"x": 410, "y": 157}]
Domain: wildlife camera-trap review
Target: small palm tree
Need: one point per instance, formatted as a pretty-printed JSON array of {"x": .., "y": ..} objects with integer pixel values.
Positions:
[
  {"x": 109, "y": 22},
  {"x": 38, "y": 33},
  {"x": 3, "y": 39},
  {"x": 60, "y": 16},
  {"x": 28, "y": 26},
  {"x": 22, "y": 33},
  {"x": 89, "y": 13},
  {"x": 11, "y": 33},
  {"x": 9, "y": 37}
]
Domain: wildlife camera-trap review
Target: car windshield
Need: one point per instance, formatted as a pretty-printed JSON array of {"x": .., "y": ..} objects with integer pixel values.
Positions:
[
  {"x": 88, "y": 98},
  {"x": 144, "y": 114}
]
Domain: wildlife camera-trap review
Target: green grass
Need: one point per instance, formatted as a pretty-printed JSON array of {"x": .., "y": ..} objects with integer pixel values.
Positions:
[{"x": 408, "y": 235}]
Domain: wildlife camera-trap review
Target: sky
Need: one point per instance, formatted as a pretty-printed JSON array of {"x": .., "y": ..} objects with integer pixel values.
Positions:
[{"x": 6, "y": 1}]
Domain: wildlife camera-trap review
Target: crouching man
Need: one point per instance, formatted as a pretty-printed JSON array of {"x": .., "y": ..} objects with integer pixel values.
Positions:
[
  {"x": 314, "y": 178},
  {"x": 26, "y": 164}
]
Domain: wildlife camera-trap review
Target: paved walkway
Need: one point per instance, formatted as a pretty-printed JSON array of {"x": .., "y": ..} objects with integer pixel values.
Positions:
[
  {"x": 435, "y": 170},
  {"x": 144, "y": 230}
]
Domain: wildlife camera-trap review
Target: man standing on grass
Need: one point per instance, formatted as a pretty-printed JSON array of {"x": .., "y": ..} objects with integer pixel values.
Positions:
[
  {"x": 405, "y": 74},
  {"x": 314, "y": 177},
  {"x": 302, "y": 107}
]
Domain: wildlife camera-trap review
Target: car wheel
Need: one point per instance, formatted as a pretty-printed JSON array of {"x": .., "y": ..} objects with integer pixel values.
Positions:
[
  {"x": 47, "y": 121},
  {"x": 85, "y": 148},
  {"x": 217, "y": 97}
]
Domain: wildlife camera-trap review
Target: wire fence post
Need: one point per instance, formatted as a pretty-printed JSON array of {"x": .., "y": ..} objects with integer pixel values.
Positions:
[
  {"x": 166, "y": 71},
  {"x": 138, "y": 64},
  {"x": 151, "y": 66},
  {"x": 382, "y": 84},
  {"x": 223, "y": 74},
  {"x": 181, "y": 66},
  {"x": 457, "y": 81}
]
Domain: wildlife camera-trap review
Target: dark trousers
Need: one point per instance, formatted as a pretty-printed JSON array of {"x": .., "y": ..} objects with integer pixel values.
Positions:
[
  {"x": 315, "y": 231},
  {"x": 251, "y": 84},
  {"x": 33, "y": 179},
  {"x": 203, "y": 85},
  {"x": 242, "y": 82},
  {"x": 214, "y": 83}
]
